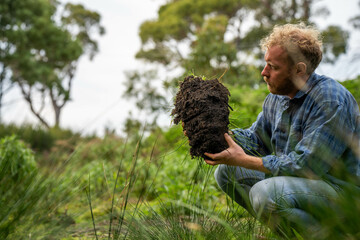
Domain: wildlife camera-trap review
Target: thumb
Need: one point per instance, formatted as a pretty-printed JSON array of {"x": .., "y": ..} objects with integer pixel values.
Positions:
[{"x": 229, "y": 140}]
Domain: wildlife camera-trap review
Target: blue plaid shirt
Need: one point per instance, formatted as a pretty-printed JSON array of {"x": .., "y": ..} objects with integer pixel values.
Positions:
[{"x": 315, "y": 134}]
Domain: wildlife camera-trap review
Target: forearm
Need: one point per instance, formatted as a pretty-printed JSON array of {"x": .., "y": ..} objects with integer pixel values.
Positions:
[{"x": 254, "y": 163}]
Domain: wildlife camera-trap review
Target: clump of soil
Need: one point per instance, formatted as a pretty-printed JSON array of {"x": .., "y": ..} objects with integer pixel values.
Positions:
[{"x": 202, "y": 106}]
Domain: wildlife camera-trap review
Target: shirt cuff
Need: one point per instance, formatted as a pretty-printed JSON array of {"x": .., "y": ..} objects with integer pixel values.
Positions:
[{"x": 270, "y": 163}]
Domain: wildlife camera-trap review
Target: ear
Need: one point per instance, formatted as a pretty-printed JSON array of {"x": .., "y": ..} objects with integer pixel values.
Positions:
[{"x": 301, "y": 68}]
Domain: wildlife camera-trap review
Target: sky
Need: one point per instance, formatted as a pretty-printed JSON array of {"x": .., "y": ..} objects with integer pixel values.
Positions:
[{"x": 97, "y": 89}]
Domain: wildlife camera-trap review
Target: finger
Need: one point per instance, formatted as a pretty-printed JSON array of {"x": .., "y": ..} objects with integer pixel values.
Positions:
[
  {"x": 229, "y": 140},
  {"x": 211, "y": 162},
  {"x": 210, "y": 155}
]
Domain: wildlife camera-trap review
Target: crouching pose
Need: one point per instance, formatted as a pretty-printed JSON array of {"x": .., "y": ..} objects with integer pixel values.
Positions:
[{"x": 303, "y": 149}]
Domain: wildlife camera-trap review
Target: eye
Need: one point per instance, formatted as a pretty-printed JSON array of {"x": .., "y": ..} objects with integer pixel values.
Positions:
[{"x": 272, "y": 66}]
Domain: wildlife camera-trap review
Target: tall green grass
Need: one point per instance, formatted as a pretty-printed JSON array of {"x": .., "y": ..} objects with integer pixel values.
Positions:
[
  {"x": 30, "y": 201},
  {"x": 170, "y": 196},
  {"x": 145, "y": 188},
  {"x": 178, "y": 200}
]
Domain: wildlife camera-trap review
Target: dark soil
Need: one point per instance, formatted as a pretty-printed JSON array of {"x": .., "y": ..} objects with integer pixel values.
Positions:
[{"x": 202, "y": 106}]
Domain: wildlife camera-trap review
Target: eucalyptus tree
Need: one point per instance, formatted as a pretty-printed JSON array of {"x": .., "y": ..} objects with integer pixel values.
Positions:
[
  {"x": 210, "y": 37},
  {"x": 42, "y": 42}
]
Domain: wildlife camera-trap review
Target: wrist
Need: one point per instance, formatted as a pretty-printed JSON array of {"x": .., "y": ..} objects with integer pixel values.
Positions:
[{"x": 255, "y": 163}]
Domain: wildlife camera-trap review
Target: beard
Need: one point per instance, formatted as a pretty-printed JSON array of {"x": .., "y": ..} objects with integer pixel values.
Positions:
[{"x": 285, "y": 87}]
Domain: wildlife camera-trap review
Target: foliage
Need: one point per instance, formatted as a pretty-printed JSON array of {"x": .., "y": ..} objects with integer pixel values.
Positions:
[
  {"x": 17, "y": 166},
  {"x": 29, "y": 200},
  {"x": 210, "y": 37},
  {"x": 38, "y": 138},
  {"x": 17, "y": 162},
  {"x": 150, "y": 101},
  {"x": 355, "y": 21},
  {"x": 334, "y": 44},
  {"x": 41, "y": 47},
  {"x": 145, "y": 187},
  {"x": 247, "y": 104},
  {"x": 100, "y": 160},
  {"x": 172, "y": 197},
  {"x": 162, "y": 196},
  {"x": 353, "y": 85},
  {"x": 177, "y": 220}
]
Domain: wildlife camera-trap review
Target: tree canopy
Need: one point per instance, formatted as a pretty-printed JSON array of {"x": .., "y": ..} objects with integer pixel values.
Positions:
[
  {"x": 210, "y": 37},
  {"x": 41, "y": 44}
]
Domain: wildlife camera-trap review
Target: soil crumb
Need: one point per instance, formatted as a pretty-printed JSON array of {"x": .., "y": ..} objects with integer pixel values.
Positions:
[{"x": 202, "y": 106}]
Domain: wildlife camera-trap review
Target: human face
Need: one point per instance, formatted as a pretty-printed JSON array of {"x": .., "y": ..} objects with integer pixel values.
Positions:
[{"x": 277, "y": 72}]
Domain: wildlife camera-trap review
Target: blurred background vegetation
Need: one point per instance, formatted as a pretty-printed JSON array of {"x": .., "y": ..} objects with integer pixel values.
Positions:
[{"x": 58, "y": 184}]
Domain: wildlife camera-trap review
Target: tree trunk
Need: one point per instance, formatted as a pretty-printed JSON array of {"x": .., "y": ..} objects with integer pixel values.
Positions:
[
  {"x": 293, "y": 8},
  {"x": 56, "y": 107},
  {"x": 306, "y": 8},
  {"x": 27, "y": 97},
  {"x": 57, "y": 111}
]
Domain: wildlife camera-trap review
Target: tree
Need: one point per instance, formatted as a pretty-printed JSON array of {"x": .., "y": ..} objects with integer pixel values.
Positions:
[
  {"x": 355, "y": 21},
  {"x": 45, "y": 48},
  {"x": 212, "y": 36}
]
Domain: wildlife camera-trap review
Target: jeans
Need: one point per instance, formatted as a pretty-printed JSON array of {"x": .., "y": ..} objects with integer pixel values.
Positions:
[{"x": 281, "y": 202}]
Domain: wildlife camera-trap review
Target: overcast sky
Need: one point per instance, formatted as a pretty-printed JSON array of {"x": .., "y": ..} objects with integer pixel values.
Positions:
[{"x": 98, "y": 84}]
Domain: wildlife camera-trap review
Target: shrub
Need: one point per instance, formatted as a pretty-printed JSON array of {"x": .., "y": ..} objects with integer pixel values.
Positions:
[
  {"x": 353, "y": 86},
  {"x": 17, "y": 174},
  {"x": 29, "y": 200},
  {"x": 37, "y": 137},
  {"x": 247, "y": 104}
]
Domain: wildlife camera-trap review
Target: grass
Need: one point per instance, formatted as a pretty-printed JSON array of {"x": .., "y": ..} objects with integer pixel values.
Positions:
[
  {"x": 114, "y": 189},
  {"x": 194, "y": 216}
]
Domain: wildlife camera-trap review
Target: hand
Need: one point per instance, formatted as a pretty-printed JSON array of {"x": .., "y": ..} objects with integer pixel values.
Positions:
[
  {"x": 234, "y": 155},
  {"x": 231, "y": 156}
]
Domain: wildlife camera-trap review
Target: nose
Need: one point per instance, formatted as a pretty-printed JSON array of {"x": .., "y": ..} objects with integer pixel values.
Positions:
[{"x": 265, "y": 72}]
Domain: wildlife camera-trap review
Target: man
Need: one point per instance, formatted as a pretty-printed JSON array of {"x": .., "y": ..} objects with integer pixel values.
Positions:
[{"x": 303, "y": 148}]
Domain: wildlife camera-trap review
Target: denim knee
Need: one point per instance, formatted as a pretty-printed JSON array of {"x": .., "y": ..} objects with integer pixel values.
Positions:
[
  {"x": 221, "y": 176},
  {"x": 262, "y": 199},
  {"x": 229, "y": 175}
]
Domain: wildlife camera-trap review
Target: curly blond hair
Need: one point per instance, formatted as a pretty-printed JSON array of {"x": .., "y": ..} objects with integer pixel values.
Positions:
[{"x": 302, "y": 43}]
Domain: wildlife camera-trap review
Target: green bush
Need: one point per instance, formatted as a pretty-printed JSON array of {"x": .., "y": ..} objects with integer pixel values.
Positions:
[
  {"x": 29, "y": 200},
  {"x": 102, "y": 175},
  {"x": 17, "y": 175},
  {"x": 16, "y": 161},
  {"x": 353, "y": 86},
  {"x": 247, "y": 104},
  {"x": 37, "y": 137}
]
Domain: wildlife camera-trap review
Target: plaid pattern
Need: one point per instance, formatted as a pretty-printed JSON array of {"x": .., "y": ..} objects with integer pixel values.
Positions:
[{"x": 315, "y": 134}]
